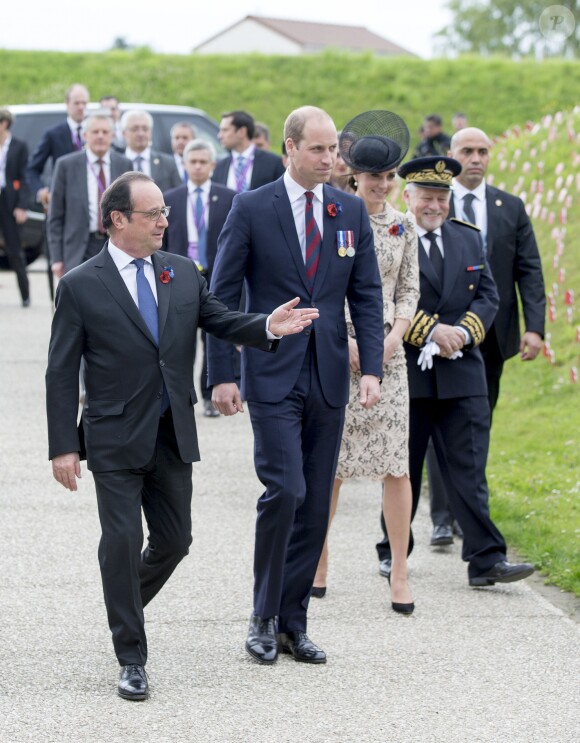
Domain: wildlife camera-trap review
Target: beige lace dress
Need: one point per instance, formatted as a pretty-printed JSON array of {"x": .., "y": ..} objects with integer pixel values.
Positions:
[{"x": 375, "y": 441}]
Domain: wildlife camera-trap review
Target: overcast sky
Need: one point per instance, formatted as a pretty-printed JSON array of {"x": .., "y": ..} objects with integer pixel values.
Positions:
[{"x": 166, "y": 27}]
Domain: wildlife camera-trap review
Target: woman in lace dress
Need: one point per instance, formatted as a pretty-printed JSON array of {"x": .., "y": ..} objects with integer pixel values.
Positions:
[{"x": 375, "y": 441}]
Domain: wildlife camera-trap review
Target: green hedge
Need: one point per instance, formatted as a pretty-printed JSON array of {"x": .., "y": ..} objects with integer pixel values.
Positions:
[{"x": 495, "y": 93}]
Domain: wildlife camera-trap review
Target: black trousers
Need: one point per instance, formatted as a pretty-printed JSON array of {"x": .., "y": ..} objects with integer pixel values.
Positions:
[
  {"x": 441, "y": 511},
  {"x": 12, "y": 246},
  {"x": 132, "y": 576},
  {"x": 460, "y": 432},
  {"x": 296, "y": 444}
]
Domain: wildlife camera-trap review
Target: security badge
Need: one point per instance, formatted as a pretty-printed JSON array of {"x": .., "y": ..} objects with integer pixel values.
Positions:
[{"x": 345, "y": 243}]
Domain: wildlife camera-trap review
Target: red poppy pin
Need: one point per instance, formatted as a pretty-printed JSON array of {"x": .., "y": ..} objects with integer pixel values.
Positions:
[
  {"x": 334, "y": 209},
  {"x": 396, "y": 230},
  {"x": 166, "y": 275},
  {"x": 16, "y": 185}
]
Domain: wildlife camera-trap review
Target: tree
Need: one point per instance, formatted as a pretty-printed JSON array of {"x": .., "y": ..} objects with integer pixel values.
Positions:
[{"x": 512, "y": 28}]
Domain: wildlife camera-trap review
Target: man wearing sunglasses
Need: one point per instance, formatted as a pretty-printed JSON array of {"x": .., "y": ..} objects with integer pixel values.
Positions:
[{"x": 132, "y": 314}]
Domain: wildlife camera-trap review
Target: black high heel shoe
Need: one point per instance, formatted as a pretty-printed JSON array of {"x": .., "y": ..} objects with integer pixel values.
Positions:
[
  {"x": 406, "y": 609},
  {"x": 318, "y": 592}
]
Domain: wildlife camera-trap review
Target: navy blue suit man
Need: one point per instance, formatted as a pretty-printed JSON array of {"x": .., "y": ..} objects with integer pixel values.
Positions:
[
  {"x": 57, "y": 141},
  {"x": 447, "y": 385},
  {"x": 194, "y": 232},
  {"x": 247, "y": 167},
  {"x": 300, "y": 236},
  {"x": 515, "y": 262}
]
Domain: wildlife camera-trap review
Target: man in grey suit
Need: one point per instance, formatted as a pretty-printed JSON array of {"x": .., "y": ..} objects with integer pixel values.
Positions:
[
  {"x": 132, "y": 314},
  {"x": 75, "y": 231},
  {"x": 137, "y": 129}
]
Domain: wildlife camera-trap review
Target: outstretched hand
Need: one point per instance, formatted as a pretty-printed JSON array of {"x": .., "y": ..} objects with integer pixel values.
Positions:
[{"x": 285, "y": 320}]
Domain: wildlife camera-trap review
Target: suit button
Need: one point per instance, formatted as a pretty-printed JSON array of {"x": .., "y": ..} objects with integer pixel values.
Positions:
[
  {"x": 162, "y": 363},
  {"x": 306, "y": 332},
  {"x": 159, "y": 395},
  {"x": 471, "y": 287},
  {"x": 436, "y": 316},
  {"x": 313, "y": 304}
]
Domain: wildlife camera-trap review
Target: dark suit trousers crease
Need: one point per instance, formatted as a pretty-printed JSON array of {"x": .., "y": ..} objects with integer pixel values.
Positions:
[
  {"x": 295, "y": 453},
  {"x": 12, "y": 246},
  {"x": 132, "y": 577},
  {"x": 441, "y": 513},
  {"x": 460, "y": 431}
]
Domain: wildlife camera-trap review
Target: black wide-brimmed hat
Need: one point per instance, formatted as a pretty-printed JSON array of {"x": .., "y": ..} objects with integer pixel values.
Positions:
[
  {"x": 374, "y": 141},
  {"x": 431, "y": 172}
]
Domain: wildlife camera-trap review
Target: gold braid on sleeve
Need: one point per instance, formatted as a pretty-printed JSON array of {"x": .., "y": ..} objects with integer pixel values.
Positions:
[
  {"x": 422, "y": 325},
  {"x": 471, "y": 322}
]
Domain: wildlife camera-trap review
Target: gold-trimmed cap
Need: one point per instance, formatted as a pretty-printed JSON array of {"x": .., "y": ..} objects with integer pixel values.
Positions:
[{"x": 430, "y": 172}]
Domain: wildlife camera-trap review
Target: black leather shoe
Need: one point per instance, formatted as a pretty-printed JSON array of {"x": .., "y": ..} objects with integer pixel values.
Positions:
[
  {"x": 318, "y": 592},
  {"x": 385, "y": 567},
  {"x": 503, "y": 572},
  {"x": 133, "y": 683},
  {"x": 303, "y": 649},
  {"x": 209, "y": 411},
  {"x": 261, "y": 642},
  {"x": 441, "y": 536},
  {"x": 407, "y": 609}
]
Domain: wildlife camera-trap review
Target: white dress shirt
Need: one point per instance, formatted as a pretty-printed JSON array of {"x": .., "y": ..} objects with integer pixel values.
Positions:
[
  {"x": 479, "y": 205},
  {"x": 425, "y": 242},
  {"x": 179, "y": 165},
  {"x": 128, "y": 271},
  {"x": 93, "y": 185},
  {"x": 249, "y": 155},
  {"x": 191, "y": 199},
  {"x": 145, "y": 162},
  {"x": 74, "y": 131},
  {"x": 298, "y": 203}
]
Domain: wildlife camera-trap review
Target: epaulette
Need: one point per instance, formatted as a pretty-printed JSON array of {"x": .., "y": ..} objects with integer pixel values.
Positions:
[
  {"x": 471, "y": 322},
  {"x": 422, "y": 325},
  {"x": 466, "y": 224}
]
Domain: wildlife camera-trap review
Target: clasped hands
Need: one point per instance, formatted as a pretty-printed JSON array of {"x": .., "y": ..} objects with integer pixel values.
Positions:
[{"x": 446, "y": 341}]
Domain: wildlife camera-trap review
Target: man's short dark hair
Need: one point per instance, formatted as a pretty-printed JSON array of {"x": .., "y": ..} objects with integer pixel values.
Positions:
[
  {"x": 117, "y": 198},
  {"x": 240, "y": 119},
  {"x": 261, "y": 130},
  {"x": 6, "y": 115},
  {"x": 434, "y": 119}
]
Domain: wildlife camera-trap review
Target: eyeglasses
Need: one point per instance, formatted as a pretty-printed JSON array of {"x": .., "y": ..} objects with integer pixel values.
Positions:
[{"x": 154, "y": 215}]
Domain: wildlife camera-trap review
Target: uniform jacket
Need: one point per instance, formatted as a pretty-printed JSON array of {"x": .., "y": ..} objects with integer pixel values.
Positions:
[
  {"x": 16, "y": 189},
  {"x": 468, "y": 298}
]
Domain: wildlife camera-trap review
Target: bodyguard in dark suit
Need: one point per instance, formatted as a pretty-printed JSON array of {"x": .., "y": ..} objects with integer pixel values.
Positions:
[
  {"x": 137, "y": 129},
  {"x": 74, "y": 228},
  {"x": 14, "y": 197},
  {"x": 514, "y": 259},
  {"x": 198, "y": 213},
  {"x": 57, "y": 141},
  {"x": 132, "y": 314},
  {"x": 447, "y": 387},
  {"x": 297, "y": 235},
  {"x": 247, "y": 167}
]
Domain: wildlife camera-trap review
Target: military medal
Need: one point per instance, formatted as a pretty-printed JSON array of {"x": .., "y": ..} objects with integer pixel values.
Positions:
[
  {"x": 350, "y": 243},
  {"x": 341, "y": 242}
]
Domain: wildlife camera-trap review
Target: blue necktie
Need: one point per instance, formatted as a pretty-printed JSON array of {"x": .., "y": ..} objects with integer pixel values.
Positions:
[
  {"x": 148, "y": 310},
  {"x": 201, "y": 229},
  {"x": 146, "y": 300},
  {"x": 241, "y": 184}
]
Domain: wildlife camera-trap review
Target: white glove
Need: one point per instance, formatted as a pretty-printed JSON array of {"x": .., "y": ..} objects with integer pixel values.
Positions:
[{"x": 425, "y": 360}]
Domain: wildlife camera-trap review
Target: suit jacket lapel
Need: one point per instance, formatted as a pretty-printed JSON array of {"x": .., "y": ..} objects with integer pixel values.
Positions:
[
  {"x": 111, "y": 278},
  {"x": 288, "y": 226},
  {"x": 490, "y": 198},
  {"x": 163, "y": 290},
  {"x": 328, "y": 242}
]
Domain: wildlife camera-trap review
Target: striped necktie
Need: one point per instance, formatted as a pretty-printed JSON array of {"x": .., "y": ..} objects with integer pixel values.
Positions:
[{"x": 313, "y": 239}]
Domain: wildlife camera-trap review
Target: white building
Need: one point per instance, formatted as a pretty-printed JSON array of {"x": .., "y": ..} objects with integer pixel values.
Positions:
[{"x": 276, "y": 36}]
